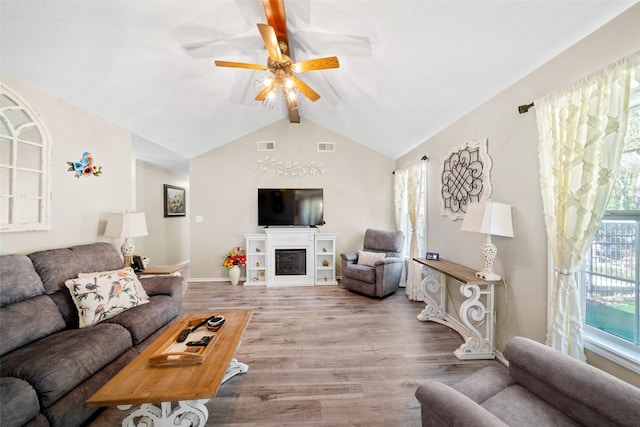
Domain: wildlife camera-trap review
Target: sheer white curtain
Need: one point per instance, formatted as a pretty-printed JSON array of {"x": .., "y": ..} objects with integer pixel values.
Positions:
[
  {"x": 400, "y": 204},
  {"x": 410, "y": 200},
  {"x": 581, "y": 134}
]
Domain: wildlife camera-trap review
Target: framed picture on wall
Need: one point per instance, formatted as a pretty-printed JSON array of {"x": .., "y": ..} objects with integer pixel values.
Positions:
[{"x": 174, "y": 201}]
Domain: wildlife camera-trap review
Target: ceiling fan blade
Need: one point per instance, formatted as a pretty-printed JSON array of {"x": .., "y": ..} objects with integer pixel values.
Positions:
[
  {"x": 322, "y": 83},
  {"x": 308, "y": 41},
  {"x": 270, "y": 42},
  {"x": 240, "y": 65},
  {"x": 305, "y": 89},
  {"x": 274, "y": 10},
  {"x": 241, "y": 45},
  {"x": 316, "y": 64},
  {"x": 262, "y": 94}
]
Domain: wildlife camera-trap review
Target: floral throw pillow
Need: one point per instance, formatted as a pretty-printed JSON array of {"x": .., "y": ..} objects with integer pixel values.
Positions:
[
  {"x": 141, "y": 292},
  {"x": 101, "y": 296}
]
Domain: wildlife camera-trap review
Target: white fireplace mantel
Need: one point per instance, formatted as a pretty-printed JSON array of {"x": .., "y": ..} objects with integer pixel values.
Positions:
[
  {"x": 290, "y": 238},
  {"x": 319, "y": 252}
]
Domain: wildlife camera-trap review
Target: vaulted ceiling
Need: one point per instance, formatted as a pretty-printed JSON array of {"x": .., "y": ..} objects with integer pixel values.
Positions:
[{"x": 408, "y": 68}]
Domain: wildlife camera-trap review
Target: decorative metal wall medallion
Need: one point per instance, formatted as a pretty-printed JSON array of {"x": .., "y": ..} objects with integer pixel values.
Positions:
[
  {"x": 464, "y": 178},
  {"x": 292, "y": 168}
]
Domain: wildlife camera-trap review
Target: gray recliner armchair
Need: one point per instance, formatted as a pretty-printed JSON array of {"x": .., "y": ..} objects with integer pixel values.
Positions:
[{"x": 376, "y": 269}]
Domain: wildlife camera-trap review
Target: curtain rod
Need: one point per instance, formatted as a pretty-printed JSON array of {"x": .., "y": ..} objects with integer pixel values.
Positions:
[
  {"x": 423, "y": 158},
  {"x": 525, "y": 108}
]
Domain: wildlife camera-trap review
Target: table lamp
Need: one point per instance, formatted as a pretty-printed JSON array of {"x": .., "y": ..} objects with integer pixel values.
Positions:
[
  {"x": 127, "y": 224},
  {"x": 490, "y": 218}
]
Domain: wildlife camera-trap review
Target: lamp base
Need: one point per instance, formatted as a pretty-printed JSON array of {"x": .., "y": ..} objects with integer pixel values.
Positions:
[
  {"x": 127, "y": 253},
  {"x": 489, "y": 276}
]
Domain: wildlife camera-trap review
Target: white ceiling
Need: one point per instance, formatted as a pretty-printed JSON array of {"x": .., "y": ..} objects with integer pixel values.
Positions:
[{"x": 408, "y": 69}]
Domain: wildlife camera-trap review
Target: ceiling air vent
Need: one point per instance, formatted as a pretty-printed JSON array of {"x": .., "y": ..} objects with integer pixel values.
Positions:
[
  {"x": 266, "y": 146},
  {"x": 326, "y": 147}
]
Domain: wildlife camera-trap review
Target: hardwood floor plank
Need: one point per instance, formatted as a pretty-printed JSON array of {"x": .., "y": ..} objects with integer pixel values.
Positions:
[{"x": 324, "y": 356}]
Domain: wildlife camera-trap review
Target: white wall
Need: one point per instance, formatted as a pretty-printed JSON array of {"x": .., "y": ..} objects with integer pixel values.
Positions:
[
  {"x": 168, "y": 239},
  {"x": 513, "y": 138},
  {"x": 78, "y": 205},
  {"x": 358, "y": 190}
]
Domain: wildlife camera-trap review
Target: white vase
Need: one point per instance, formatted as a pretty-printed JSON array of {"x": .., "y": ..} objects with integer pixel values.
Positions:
[{"x": 234, "y": 274}]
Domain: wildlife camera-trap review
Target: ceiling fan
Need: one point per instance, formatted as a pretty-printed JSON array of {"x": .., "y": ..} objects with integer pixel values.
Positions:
[{"x": 275, "y": 37}]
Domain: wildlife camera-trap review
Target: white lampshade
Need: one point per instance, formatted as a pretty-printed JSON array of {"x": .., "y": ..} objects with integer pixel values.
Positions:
[
  {"x": 488, "y": 218},
  {"x": 126, "y": 224}
]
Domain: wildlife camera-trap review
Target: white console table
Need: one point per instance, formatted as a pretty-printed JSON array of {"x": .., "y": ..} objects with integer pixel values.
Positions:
[{"x": 476, "y": 316}]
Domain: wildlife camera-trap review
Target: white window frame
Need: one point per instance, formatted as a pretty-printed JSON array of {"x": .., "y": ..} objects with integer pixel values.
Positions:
[{"x": 10, "y": 165}]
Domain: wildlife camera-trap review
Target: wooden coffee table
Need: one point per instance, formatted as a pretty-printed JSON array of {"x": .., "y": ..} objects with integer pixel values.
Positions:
[{"x": 191, "y": 386}]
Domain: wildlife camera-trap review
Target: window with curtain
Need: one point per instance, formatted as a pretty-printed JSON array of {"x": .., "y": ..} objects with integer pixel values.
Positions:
[
  {"x": 582, "y": 130},
  {"x": 609, "y": 277},
  {"x": 410, "y": 196}
]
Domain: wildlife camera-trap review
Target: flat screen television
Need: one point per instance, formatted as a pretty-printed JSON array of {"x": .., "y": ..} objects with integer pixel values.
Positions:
[{"x": 290, "y": 207}]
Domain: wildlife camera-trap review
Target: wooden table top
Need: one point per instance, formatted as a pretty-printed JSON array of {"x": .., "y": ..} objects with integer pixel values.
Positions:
[
  {"x": 459, "y": 272},
  {"x": 161, "y": 269},
  {"x": 139, "y": 383}
]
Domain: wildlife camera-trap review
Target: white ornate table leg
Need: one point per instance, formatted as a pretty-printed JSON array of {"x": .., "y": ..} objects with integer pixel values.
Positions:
[
  {"x": 474, "y": 314},
  {"x": 434, "y": 290},
  {"x": 234, "y": 369},
  {"x": 434, "y": 295},
  {"x": 189, "y": 413}
]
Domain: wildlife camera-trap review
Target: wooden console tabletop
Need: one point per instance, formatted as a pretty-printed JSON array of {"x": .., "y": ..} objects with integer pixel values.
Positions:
[
  {"x": 161, "y": 269},
  {"x": 459, "y": 272},
  {"x": 139, "y": 383},
  {"x": 476, "y": 316}
]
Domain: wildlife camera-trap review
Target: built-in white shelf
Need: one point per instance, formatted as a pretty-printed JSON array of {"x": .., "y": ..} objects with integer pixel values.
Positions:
[
  {"x": 325, "y": 249},
  {"x": 256, "y": 251}
]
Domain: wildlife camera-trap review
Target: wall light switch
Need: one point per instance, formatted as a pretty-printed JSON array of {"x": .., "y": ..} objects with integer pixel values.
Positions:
[{"x": 199, "y": 218}]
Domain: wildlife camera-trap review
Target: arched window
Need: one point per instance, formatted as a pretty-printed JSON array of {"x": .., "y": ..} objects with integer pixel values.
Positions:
[{"x": 25, "y": 155}]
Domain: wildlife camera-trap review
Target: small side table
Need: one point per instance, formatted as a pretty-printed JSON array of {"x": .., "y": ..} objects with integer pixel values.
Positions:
[
  {"x": 159, "y": 270},
  {"x": 476, "y": 316}
]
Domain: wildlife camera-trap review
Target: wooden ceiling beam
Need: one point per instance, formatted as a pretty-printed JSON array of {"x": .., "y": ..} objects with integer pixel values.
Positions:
[
  {"x": 276, "y": 18},
  {"x": 294, "y": 113}
]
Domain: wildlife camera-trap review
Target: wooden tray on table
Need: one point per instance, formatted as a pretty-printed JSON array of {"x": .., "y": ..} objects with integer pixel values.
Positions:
[{"x": 173, "y": 353}]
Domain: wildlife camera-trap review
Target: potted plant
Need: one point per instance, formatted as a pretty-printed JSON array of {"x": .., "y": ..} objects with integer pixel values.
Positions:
[{"x": 233, "y": 260}]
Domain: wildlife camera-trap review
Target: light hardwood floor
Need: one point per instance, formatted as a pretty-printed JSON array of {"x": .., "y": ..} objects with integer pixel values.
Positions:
[{"x": 324, "y": 356}]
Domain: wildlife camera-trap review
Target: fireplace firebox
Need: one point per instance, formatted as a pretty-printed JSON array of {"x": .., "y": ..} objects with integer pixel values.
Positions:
[{"x": 291, "y": 262}]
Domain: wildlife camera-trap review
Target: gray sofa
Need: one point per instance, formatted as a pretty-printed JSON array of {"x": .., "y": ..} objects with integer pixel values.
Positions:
[
  {"x": 378, "y": 278},
  {"x": 542, "y": 387},
  {"x": 49, "y": 366}
]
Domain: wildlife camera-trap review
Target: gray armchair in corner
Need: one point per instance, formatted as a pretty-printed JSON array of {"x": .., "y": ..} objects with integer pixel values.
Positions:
[{"x": 376, "y": 269}]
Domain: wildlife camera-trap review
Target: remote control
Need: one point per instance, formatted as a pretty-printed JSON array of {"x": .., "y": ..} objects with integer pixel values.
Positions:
[
  {"x": 203, "y": 341},
  {"x": 183, "y": 335}
]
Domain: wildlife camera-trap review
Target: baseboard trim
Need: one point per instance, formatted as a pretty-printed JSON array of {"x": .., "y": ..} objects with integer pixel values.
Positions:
[{"x": 210, "y": 279}]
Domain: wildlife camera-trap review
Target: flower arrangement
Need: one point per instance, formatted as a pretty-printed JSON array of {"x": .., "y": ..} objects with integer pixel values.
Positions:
[
  {"x": 236, "y": 256},
  {"x": 85, "y": 167}
]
